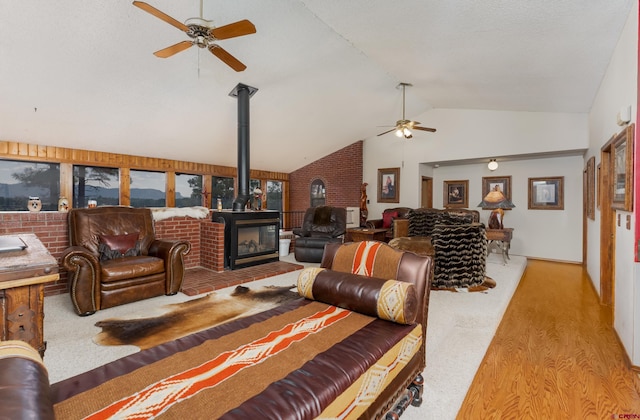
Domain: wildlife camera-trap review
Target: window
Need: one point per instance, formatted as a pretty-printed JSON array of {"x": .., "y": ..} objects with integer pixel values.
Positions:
[
  {"x": 188, "y": 190},
  {"x": 222, "y": 188},
  {"x": 95, "y": 183},
  {"x": 21, "y": 180},
  {"x": 148, "y": 189},
  {"x": 274, "y": 195}
]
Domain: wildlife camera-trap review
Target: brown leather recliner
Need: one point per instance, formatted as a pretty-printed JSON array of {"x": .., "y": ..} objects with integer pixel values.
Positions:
[{"x": 115, "y": 258}]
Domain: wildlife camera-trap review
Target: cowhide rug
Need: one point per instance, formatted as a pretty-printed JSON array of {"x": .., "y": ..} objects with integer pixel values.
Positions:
[{"x": 188, "y": 317}]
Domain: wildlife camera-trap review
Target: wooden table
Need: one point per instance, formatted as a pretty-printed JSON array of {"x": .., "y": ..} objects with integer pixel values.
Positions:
[
  {"x": 22, "y": 278},
  {"x": 501, "y": 239},
  {"x": 365, "y": 234}
]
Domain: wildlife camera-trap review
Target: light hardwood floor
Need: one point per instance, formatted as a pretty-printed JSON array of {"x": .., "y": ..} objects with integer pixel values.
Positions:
[{"x": 554, "y": 355}]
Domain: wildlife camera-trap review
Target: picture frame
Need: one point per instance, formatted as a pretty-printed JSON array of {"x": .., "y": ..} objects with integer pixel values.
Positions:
[
  {"x": 590, "y": 195},
  {"x": 546, "y": 193},
  {"x": 389, "y": 185},
  {"x": 622, "y": 183},
  {"x": 502, "y": 183},
  {"x": 455, "y": 194}
]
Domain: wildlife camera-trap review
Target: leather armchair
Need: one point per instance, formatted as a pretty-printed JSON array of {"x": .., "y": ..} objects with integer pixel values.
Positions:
[
  {"x": 321, "y": 225},
  {"x": 115, "y": 258},
  {"x": 388, "y": 221}
]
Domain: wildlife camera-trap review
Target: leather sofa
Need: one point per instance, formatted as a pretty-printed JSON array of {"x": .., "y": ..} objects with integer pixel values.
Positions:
[
  {"x": 321, "y": 225},
  {"x": 25, "y": 391},
  {"x": 388, "y": 220},
  {"x": 115, "y": 258},
  {"x": 24, "y": 383}
]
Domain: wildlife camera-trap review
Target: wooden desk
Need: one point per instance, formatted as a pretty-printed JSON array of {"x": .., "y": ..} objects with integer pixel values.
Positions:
[
  {"x": 365, "y": 234},
  {"x": 22, "y": 278},
  {"x": 500, "y": 239}
]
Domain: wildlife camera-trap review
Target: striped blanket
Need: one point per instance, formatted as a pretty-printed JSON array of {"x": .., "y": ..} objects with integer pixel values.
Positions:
[{"x": 304, "y": 359}]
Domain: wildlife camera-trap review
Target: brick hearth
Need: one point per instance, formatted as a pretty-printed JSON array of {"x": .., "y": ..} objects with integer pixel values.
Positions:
[{"x": 201, "y": 280}]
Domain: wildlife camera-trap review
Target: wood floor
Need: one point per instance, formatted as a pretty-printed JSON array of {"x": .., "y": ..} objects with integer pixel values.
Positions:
[{"x": 554, "y": 355}]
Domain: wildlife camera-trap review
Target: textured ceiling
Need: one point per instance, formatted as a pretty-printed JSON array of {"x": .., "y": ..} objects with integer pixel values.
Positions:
[{"x": 82, "y": 73}]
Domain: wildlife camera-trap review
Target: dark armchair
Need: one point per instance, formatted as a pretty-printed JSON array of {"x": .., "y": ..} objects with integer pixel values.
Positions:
[
  {"x": 320, "y": 226},
  {"x": 115, "y": 258}
]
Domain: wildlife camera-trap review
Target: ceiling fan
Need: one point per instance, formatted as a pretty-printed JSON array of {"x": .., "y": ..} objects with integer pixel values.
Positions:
[
  {"x": 403, "y": 127},
  {"x": 202, "y": 34}
]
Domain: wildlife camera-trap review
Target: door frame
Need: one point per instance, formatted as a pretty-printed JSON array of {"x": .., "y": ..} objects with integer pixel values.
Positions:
[
  {"x": 607, "y": 225},
  {"x": 426, "y": 192}
]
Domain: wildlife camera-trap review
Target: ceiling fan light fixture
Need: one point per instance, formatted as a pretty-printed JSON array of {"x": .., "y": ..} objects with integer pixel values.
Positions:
[{"x": 403, "y": 126}]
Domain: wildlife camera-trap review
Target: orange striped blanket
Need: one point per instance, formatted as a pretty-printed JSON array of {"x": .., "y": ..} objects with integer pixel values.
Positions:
[{"x": 304, "y": 359}]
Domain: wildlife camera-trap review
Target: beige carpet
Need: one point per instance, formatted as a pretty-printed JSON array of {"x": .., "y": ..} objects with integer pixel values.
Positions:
[{"x": 460, "y": 328}]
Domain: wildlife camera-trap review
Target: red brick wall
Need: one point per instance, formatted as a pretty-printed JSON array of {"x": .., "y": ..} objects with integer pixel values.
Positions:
[
  {"x": 212, "y": 251},
  {"x": 206, "y": 237},
  {"x": 341, "y": 173},
  {"x": 50, "y": 228}
]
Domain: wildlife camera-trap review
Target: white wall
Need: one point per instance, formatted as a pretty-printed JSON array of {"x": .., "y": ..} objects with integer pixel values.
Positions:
[
  {"x": 618, "y": 89},
  {"x": 548, "y": 234},
  {"x": 465, "y": 134}
]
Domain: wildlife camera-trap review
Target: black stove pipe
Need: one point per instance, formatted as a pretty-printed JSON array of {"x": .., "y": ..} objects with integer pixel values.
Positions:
[{"x": 243, "y": 93}]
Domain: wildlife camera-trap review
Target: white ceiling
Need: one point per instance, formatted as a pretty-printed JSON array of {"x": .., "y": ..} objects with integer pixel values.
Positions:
[{"x": 82, "y": 73}]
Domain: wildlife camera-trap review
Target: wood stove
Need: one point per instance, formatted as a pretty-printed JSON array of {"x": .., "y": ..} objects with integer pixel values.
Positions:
[{"x": 250, "y": 237}]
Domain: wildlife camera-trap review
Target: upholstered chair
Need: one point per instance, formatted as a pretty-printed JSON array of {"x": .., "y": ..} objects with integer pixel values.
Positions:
[
  {"x": 388, "y": 220},
  {"x": 460, "y": 255},
  {"x": 115, "y": 258},
  {"x": 321, "y": 225}
]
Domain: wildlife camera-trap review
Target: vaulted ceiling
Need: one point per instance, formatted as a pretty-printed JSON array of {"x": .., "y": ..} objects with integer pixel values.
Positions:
[{"x": 82, "y": 73}]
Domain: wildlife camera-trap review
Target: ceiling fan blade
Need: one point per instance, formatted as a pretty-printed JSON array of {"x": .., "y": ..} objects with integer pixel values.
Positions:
[
  {"x": 388, "y": 131},
  {"x": 223, "y": 55},
  {"x": 433, "y": 130},
  {"x": 232, "y": 30},
  {"x": 160, "y": 15},
  {"x": 174, "y": 49}
]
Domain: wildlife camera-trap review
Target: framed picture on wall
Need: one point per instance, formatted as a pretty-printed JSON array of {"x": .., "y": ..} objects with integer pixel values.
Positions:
[
  {"x": 623, "y": 170},
  {"x": 389, "y": 185},
  {"x": 496, "y": 183},
  {"x": 456, "y": 194},
  {"x": 546, "y": 193}
]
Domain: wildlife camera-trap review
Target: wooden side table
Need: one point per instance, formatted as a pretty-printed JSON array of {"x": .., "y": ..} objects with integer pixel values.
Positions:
[
  {"x": 500, "y": 238},
  {"x": 365, "y": 234},
  {"x": 22, "y": 278}
]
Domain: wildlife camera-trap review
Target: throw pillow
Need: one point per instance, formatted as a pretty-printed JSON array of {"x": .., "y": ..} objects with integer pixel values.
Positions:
[
  {"x": 391, "y": 300},
  {"x": 387, "y": 218},
  {"x": 118, "y": 246}
]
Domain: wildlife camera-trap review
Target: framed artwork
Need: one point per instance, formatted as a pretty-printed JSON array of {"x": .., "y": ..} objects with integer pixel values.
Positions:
[
  {"x": 546, "y": 193},
  {"x": 590, "y": 195},
  {"x": 496, "y": 183},
  {"x": 389, "y": 185},
  {"x": 455, "y": 194},
  {"x": 623, "y": 170}
]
